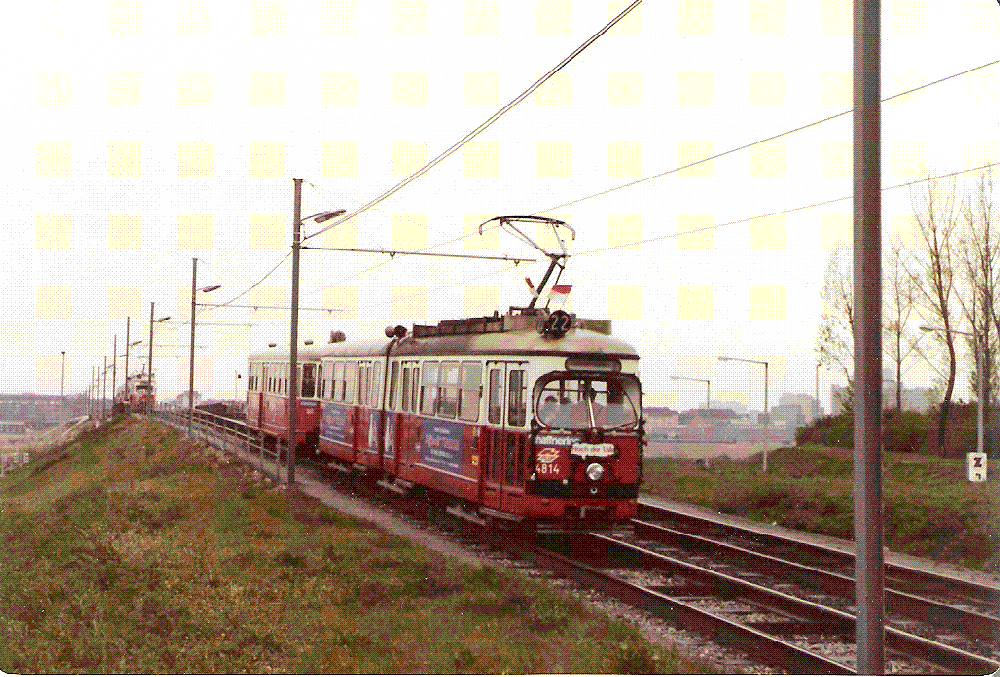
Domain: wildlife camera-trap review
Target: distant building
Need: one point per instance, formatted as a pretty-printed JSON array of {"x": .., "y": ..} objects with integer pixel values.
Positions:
[
  {"x": 911, "y": 399},
  {"x": 706, "y": 417},
  {"x": 184, "y": 399},
  {"x": 796, "y": 409}
]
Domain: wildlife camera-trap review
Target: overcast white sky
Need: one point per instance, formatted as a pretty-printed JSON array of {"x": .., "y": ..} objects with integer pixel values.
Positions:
[{"x": 141, "y": 134}]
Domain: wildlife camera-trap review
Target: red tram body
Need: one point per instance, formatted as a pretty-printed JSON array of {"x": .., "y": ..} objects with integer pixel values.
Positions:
[
  {"x": 502, "y": 419},
  {"x": 136, "y": 396}
]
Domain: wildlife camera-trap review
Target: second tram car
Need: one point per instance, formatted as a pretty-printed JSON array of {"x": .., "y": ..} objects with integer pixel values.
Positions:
[{"x": 530, "y": 419}]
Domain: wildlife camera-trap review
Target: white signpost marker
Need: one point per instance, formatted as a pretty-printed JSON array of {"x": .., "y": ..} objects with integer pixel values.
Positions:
[{"x": 976, "y": 466}]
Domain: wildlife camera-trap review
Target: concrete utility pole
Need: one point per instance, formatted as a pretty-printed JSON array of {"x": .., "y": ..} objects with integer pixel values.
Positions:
[
  {"x": 868, "y": 520},
  {"x": 293, "y": 351}
]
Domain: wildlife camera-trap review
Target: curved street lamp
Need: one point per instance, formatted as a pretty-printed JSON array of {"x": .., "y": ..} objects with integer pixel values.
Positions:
[
  {"x": 767, "y": 415},
  {"x": 293, "y": 354},
  {"x": 194, "y": 291},
  {"x": 708, "y": 382}
]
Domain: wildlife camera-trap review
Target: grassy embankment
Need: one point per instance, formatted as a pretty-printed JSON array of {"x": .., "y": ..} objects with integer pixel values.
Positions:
[
  {"x": 931, "y": 509},
  {"x": 134, "y": 550}
]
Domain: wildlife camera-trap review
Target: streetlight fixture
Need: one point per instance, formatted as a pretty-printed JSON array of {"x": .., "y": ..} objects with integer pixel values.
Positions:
[
  {"x": 767, "y": 415},
  {"x": 293, "y": 354},
  {"x": 979, "y": 379},
  {"x": 708, "y": 382},
  {"x": 194, "y": 290}
]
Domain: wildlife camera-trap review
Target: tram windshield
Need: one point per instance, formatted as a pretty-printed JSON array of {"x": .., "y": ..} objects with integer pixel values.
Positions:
[{"x": 573, "y": 401}]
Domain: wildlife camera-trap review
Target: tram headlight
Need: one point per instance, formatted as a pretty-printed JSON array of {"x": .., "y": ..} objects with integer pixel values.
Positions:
[{"x": 595, "y": 471}]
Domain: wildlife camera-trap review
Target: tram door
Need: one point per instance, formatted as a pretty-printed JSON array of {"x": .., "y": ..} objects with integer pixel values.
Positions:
[{"x": 504, "y": 442}]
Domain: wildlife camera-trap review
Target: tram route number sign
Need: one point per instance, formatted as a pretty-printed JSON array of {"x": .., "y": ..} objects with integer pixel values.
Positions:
[{"x": 976, "y": 466}]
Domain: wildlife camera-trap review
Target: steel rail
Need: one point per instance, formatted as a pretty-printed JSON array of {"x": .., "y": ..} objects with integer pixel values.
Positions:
[
  {"x": 973, "y": 623},
  {"x": 907, "y": 644},
  {"x": 924, "y": 581}
]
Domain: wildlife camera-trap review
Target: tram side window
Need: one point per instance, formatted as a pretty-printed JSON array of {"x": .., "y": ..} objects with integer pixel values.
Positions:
[
  {"x": 350, "y": 381},
  {"x": 337, "y": 391},
  {"x": 414, "y": 388},
  {"x": 393, "y": 384},
  {"x": 468, "y": 403},
  {"x": 428, "y": 388},
  {"x": 363, "y": 372},
  {"x": 308, "y": 380},
  {"x": 448, "y": 390},
  {"x": 320, "y": 383},
  {"x": 516, "y": 409},
  {"x": 496, "y": 390},
  {"x": 376, "y": 385},
  {"x": 405, "y": 388}
]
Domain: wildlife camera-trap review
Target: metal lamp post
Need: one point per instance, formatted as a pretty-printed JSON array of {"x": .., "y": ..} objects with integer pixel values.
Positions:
[
  {"x": 293, "y": 354},
  {"x": 194, "y": 290},
  {"x": 708, "y": 382},
  {"x": 767, "y": 415}
]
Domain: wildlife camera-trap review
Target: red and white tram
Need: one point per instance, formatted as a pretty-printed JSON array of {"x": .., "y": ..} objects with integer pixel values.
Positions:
[
  {"x": 136, "y": 396},
  {"x": 530, "y": 419}
]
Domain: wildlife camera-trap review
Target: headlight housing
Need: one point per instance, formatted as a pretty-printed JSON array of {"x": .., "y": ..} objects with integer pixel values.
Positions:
[{"x": 595, "y": 471}]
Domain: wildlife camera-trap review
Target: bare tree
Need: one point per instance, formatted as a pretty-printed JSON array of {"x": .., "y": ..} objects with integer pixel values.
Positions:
[
  {"x": 835, "y": 342},
  {"x": 899, "y": 299},
  {"x": 932, "y": 274},
  {"x": 981, "y": 265}
]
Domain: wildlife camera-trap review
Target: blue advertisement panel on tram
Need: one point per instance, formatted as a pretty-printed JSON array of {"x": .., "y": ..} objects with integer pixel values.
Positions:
[
  {"x": 442, "y": 446},
  {"x": 335, "y": 419}
]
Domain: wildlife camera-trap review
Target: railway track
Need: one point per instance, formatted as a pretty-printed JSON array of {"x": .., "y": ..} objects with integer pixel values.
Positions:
[
  {"x": 771, "y": 619},
  {"x": 914, "y": 597},
  {"x": 779, "y": 602}
]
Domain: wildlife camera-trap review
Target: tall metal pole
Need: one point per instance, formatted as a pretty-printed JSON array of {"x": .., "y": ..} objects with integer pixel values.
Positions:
[
  {"x": 979, "y": 409},
  {"x": 62, "y": 386},
  {"x": 114, "y": 371},
  {"x": 767, "y": 421},
  {"x": 194, "y": 288},
  {"x": 816, "y": 404},
  {"x": 149, "y": 362},
  {"x": 293, "y": 352},
  {"x": 128, "y": 344},
  {"x": 104, "y": 389},
  {"x": 868, "y": 521}
]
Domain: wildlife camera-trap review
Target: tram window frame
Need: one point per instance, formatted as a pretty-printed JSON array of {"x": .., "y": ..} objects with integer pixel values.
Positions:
[
  {"x": 449, "y": 381},
  {"x": 308, "y": 383},
  {"x": 470, "y": 391},
  {"x": 415, "y": 388},
  {"x": 320, "y": 383},
  {"x": 495, "y": 398},
  {"x": 336, "y": 392},
  {"x": 429, "y": 387},
  {"x": 404, "y": 390},
  {"x": 376, "y": 385},
  {"x": 516, "y": 401},
  {"x": 350, "y": 380},
  {"x": 362, "y": 383},
  {"x": 393, "y": 383}
]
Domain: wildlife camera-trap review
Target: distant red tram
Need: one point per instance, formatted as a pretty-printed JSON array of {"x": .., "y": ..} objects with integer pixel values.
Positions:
[
  {"x": 531, "y": 419},
  {"x": 136, "y": 396}
]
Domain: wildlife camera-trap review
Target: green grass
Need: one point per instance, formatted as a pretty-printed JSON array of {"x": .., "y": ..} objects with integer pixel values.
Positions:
[
  {"x": 930, "y": 509},
  {"x": 134, "y": 550}
]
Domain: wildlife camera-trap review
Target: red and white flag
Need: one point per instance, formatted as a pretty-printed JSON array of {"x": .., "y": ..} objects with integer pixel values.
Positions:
[{"x": 559, "y": 292}]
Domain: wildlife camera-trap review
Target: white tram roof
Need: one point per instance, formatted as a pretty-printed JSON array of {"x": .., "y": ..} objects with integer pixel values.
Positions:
[{"x": 512, "y": 334}]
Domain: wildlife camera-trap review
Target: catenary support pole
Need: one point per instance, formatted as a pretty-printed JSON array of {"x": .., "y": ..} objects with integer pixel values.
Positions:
[
  {"x": 869, "y": 573},
  {"x": 293, "y": 352}
]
